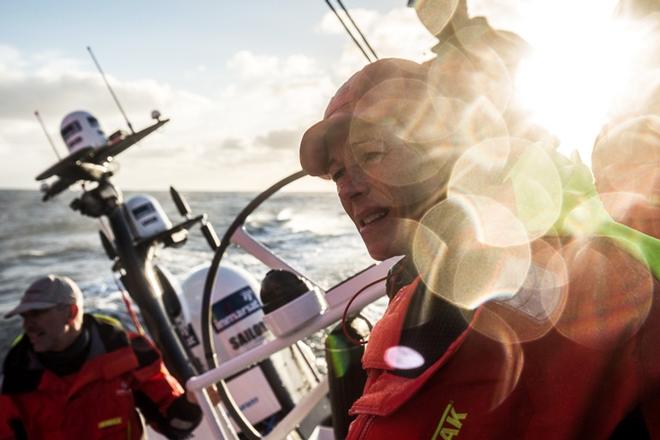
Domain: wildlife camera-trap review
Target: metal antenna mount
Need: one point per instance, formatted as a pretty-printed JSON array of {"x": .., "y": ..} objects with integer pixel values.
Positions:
[
  {"x": 50, "y": 141},
  {"x": 98, "y": 66}
]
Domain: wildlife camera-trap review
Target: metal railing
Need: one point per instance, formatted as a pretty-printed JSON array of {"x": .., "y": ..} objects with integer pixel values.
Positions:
[{"x": 370, "y": 284}]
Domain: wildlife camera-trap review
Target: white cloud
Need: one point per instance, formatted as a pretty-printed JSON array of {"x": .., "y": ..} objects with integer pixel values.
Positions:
[
  {"x": 363, "y": 18},
  {"x": 280, "y": 139},
  {"x": 250, "y": 120},
  {"x": 249, "y": 65},
  {"x": 397, "y": 33},
  {"x": 276, "y": 93},
  {"x": 255, "y": 120},
  {"x": 11, "y": 62}
]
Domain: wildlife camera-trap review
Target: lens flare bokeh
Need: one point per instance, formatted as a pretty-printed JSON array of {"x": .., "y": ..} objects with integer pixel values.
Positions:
[
  {"x": 538, "y": 305},
  {"x": 455, "y": 264},
  {"x": 401, "y": 357},
  {"x": 610, "y": 295},
  {"x": 517, "y": 174}
]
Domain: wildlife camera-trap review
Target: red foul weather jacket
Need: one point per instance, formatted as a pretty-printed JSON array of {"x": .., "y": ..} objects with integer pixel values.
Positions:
[
  {"x": 574, "y": 354},
  {"x": 123, "y": 371}
]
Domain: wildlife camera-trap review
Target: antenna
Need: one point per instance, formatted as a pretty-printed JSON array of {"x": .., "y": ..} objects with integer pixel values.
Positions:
[
  {"x": 98, "y": 66},
  {"x": 50, "y": 141},
  {"x": 348, "y": 31},
  {"x": 371, "y": 49}
]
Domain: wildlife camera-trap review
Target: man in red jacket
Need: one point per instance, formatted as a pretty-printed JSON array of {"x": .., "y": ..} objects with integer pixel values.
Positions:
[
  {"x": 75, "y": 375},
  {"x": 510, "y": 317}
]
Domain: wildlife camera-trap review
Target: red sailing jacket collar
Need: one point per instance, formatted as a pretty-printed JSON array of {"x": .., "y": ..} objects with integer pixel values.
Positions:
[
  {"x": 103, "y": 367},
  {"x": 382, "y": 397}
]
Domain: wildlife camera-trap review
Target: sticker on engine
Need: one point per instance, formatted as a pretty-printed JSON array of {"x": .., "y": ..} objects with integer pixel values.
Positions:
[
  {"x": 254, "y": 395},
  {"x": 233, "y": 308},
  {"x": 189, "y": 336}
]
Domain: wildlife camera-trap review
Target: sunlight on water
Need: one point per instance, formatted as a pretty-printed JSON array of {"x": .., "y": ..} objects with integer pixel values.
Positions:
[
  {"x": 320, "y": 224},
  {"x": 309, "y": 231}
]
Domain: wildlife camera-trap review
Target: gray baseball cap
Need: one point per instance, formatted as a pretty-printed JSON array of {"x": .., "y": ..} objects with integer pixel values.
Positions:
[{"x": 47, "y": 292}]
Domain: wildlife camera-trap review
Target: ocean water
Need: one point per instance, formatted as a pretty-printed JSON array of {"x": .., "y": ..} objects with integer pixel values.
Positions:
[{"x": 308, "y": 230}]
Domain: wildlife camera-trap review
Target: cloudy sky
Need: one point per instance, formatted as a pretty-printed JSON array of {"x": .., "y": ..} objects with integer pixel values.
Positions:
[{"x": 241, "y": 80}]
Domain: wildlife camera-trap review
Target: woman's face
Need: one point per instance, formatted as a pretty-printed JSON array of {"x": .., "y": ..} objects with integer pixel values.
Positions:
[{"x": 384, "y": 184}]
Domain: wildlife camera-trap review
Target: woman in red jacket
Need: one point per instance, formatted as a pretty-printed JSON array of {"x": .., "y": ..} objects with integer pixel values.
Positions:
[{"x": 509, "y": 317}]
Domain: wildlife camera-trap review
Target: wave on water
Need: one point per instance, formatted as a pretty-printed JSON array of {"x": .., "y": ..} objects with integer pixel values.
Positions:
[
  {"x": 31, "y": 253},
  {"x": 309, "y": 231}
]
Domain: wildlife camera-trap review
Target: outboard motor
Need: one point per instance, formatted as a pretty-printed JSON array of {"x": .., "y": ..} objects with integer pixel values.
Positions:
[
  {"x": 80, "y": 129},
  {"x": 237, "y": 313},
  {"x": 264, "y": 392},
  {"x": 147, "y": 216}
]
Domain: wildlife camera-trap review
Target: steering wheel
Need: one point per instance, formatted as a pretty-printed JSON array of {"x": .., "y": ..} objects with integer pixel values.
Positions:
[{"x": 207, "y": 341}]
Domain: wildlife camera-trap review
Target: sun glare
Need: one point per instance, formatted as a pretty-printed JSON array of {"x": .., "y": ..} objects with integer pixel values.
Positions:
[{"x": 581, "y": 71}]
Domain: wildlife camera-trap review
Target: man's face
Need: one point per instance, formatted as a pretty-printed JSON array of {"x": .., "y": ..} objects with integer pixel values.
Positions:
[
  {"x": 384, "y": 184},
  {"x": 47, "y": 328}
]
